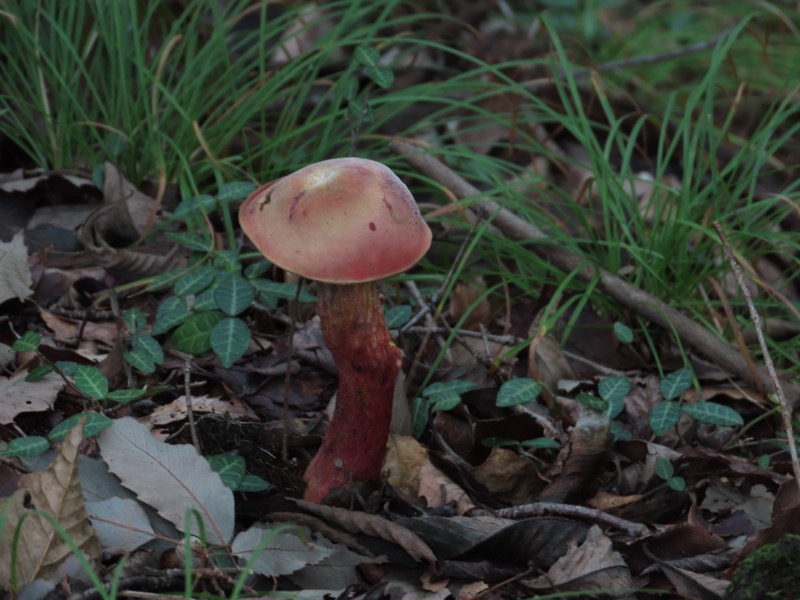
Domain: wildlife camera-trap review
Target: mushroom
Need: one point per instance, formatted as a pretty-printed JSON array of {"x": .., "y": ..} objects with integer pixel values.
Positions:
[{"x": 345, "y": 223}]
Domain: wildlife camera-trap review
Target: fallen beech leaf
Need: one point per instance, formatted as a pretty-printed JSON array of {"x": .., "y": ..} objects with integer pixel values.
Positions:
[
  {"x": 42, "y": 498},
  {"x": 405, "y": 456},
  {"x": 509, "y": 477},
  {"x": 15, "y": 276},
  {"x": 438, "y": 489},
  {"x": 171, "y": 479},
  {"x": 360, "y": 522},
  {"x": 21, "y": 396},
  {"x": 283, "y": 551}
]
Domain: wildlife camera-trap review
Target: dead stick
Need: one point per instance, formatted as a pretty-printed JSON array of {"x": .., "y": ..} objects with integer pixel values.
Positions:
[{"x": 688, "y": 330}]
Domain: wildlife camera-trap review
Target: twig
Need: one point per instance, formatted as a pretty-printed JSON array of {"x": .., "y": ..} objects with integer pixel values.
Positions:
[
  {"x": 756, "y": 318},
  {"x": 637, "y": 530},
  {"x": 688, "y": 330}
]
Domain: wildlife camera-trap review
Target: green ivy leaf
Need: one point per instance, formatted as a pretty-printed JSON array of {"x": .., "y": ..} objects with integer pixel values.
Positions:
[
  {"x": 192, "y": 241},
  {"x": 194, "y": 207},
  {"x": 253, "y": 483},
  {"x": 383, "y": 77},
  {"x": 623, "y": 333},
  {"x": 140, "y": 359},
  {"x": 664, "y": 469},
  {"x": 95, "y": 423},
  {"x": 195, "y": 281},
  {"x": 39, "y": 373},
  {"x": 32, "y": 445},
  {"x": 272, "y": 290},
  {"x": 67, "y": 367},
  {"x": 367, "y": 56},
  {"x": 234, "y": 294},
  {"x": 229, "y": 467},
  {"x": 230, "y": 339},
  {"x": 90, "y": 381},
  {"x": 677, "y": 483},
  {"x": 665, "y": 416},
  {"x": 614, "y": 388},
  {"x": 674, "y": 384},
  {"x": 125, "y": 395},
  {"x": 593, "y": 402},
  {"x": 541, "y": 442},
  {"x": 619, "y": 432},
  {"x": 444, "y": 401},
  {"x": 134, "y": 319},
  {"x": 420, "y": 410},
  {"x": 170, "y": 313},
  {"x": 194, "y": 336},
  {"x": 28, "y": 342},
  {"x": 714, "y": 414},
  {"x": 236, "y": 190},
  {"x": 456, "y": 386},
  {"x": 518, "y": 391},
  {"x": 397, "y": 316},
  {"x": 149, "y": 345}
]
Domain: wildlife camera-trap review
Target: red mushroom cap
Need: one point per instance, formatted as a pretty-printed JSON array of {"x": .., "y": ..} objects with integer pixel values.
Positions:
[{"x": 345, "y": 220}]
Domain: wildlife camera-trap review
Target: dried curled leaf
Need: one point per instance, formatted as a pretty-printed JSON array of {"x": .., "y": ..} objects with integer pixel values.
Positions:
[
  {"x": 359, "y": 522},
  {"x": 43, "y": 498}
]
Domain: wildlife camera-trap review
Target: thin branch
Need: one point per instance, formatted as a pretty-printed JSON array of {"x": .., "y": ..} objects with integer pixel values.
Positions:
[
  {"x": 786, "y": 411},
  {"x": 688, "y": 330}
]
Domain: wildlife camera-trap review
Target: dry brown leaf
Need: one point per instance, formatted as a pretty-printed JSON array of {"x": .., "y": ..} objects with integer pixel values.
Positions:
[
  {"x": 374, "y": 525},
  {"x": 15, "y": 276},
  {"x": 607, "y": 501},
  {"x": 405, "y": 456},
  {"x": 52, "y": 495},
  {"x": 21, "y": 396},
  {"x": 438, "y": 489},
  {"x": 508, "y": 477},
  {"x": 593, "y": 565},
  {"x": 177, "y": 410},
  {"x": 66, "y": 330}
]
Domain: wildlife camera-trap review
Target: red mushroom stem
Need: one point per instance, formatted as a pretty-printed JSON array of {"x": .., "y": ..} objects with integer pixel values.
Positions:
[{"x": 355, "y": 332}]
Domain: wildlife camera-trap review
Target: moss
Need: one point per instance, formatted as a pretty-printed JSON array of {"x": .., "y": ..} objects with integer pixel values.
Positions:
[{"x": 771, "y": 572}]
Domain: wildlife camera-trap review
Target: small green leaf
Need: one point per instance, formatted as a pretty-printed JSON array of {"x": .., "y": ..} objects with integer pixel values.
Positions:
[
  {"x": 195, "y": 281},
  {"x": 170, "y": 313},
  {"x": 456, "y": 386},
  {"x": 28, "y": 342},
  {"x": 674, "y": 384},
  {"x": 257, "y": 269},
  {"x": 134, "y": 319},
  {"x": 397, "y": 316},
  {"x": 125, "y": 395},
  {"x": 541, "y": 442},
  {"x": 253, "y": 483},
  {"x": 496, "y": 442},
  {"x": 204, "y": 301},
  {"x": 67, "y": 367},
  {"x": 593, "y": 402},
  {"x": 367, "y": 56},
  {"x": 230, "y": 339},
  {"x": 236, "y": 190},
  {"x": 350, "y": 86},
  {"x": 229, "y": 467},
  {"x": 518, "y": 391},
  {"x": 90, "y": 381},
  {"x": 420, "y": 412},
  {"x": 234, "y": 294},
  {"x": 140, "y": 359},
  {"x": 664, "y": 469},
  {"x": 271, "y": 290},
  {"x": 623, "y": 333},
  {"x": 192, "y": 241},
  {"x": 194, "y": 207},
  {"x": 619, "y": 432},
  {"x": 383, "y": 77},
  {"x": 611, "y": 388},
  {"x": 714, "y": 414},
  {"x": 444, "y": 401},
  {"x": 39, "y": 373},
  {"x": 194, "y": 336},
  {"x": 149, "y": 345},
  {"x": 677, "y": 483},
  {"x": 763, "y": 461},
  {"x": 95, "y": 423},
  {"x": 32, "y": 445},
  {"x": 665, "y": 416}
]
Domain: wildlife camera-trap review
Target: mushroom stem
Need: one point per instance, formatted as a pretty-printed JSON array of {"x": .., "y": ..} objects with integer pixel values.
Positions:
[{"x": 355, "y": 332}]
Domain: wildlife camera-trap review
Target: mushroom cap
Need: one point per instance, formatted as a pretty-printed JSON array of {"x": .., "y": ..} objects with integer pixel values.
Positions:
[{"x": 344, "y": 220}]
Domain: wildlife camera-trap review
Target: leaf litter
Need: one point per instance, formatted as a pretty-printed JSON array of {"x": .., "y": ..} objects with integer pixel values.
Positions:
[{"x": 525, "y": 514}]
